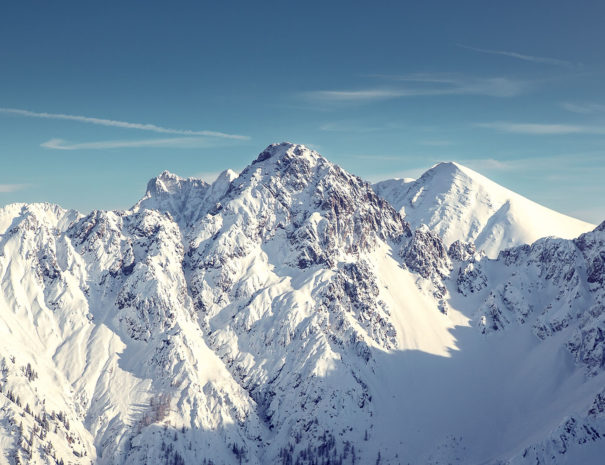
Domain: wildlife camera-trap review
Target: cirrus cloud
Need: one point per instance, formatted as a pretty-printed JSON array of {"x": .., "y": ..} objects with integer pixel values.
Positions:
[
  {"x": 120, "y": 124},
  {"x": 541, "y": 128},
  {"x": 177, "y": 142},
  {"x": 583, "y": 108},
  {"x": 424, "y": 85},
  {"x": 6, "y": 188},
  {"x": 520, "y": 56}
]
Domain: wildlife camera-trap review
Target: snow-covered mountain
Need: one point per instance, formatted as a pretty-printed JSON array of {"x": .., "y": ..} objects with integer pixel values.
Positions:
[
  {"x": 460, "y": 204},
  {"x": 290, "y": 315}
]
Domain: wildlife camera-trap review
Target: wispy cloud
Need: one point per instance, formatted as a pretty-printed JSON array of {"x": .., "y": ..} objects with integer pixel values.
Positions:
[
  {"x": 120, "y": 124},
  {"x": 520, "y": 56},
  {"x": 584, "y": 108},
  {"x": 359, "y": 126},
  {"x": 378, "y": 157},
  {"x": 433, "y": 78},
  {"x": 488, "y": 164},
  {"x": 5, "y": 188},
  {"x": 541, "y": 129},
  {"x": 436, "y": 143},
  {"x": 577, "y": 162},
  {"x": 340, "y": 126},
  {"x": 358, "y": 95},
  {"x": 419, "y": 85},
  {"x": 177, "y": 142}
]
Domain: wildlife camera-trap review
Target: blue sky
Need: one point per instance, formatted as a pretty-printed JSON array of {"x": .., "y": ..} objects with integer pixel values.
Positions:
[{"x": 98, "y": 97}]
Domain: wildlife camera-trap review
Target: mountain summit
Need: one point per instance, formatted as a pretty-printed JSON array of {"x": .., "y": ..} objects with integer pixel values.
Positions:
[{"x": 460, "y": 204}]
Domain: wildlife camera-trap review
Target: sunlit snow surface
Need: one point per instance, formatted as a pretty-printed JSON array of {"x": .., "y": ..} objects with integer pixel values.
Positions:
[
  {"x": 460, "y": 204},
  {"x": 288, "y": 312}
]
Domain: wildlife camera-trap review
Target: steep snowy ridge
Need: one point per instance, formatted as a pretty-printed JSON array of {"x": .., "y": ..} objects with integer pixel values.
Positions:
[
  {"x": 289, "y": 314},
  {"x": 460, "y": 204}
]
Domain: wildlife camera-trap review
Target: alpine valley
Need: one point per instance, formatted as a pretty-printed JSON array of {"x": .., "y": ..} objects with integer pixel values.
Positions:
[{"x": 295, "y": 314}]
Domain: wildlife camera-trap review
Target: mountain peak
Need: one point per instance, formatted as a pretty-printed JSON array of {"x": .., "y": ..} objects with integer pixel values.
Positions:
[
  {"x": 461, "y": 204},
  {"x": 169, "y": 183},
  {"x": 447, "y": 166},
  {"x": 165, "y": 175},
  {"x": 449, "y": 169},
  {"x": 181, "y": 197},
  {"x": 227, "y": 175},
  {"x": 282, "y": 150}
]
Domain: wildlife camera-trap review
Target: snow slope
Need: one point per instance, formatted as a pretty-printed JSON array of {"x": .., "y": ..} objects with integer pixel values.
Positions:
[
  {"x": 290, "y": 315},
  {"x": 460, "y": 204}
]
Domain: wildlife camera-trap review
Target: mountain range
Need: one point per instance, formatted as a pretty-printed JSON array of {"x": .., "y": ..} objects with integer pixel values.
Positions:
[{"x": 295, "y": 314}]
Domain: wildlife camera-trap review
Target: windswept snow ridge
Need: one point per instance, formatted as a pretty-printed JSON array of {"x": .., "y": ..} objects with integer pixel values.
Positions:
[{"x": 291, "y": 315}]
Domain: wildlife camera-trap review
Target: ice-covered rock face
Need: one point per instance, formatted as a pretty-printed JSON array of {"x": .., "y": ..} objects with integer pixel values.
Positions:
[{"x": 289, "y": 314}]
